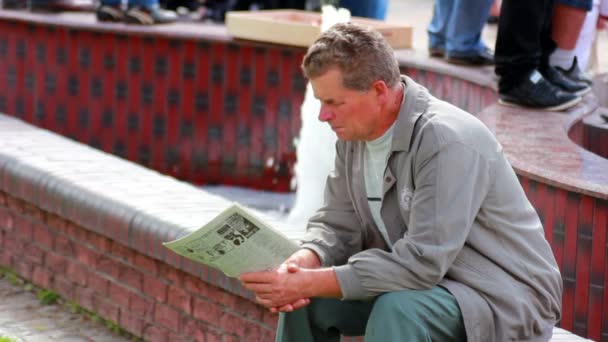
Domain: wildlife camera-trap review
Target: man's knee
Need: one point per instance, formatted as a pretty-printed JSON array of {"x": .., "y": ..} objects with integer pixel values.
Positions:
[{"x": 401, "y": 303}]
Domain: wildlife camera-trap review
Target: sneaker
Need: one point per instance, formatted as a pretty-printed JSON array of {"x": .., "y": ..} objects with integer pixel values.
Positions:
[
  {"x": 110, "y": 13},
  {"x": 574, "y": 73},
  {"x": 477, "y": 58},
  {"x": 149, "y": 15},
  {"x": 538, "y": 93},
  {"x": 564, "y": 83}
]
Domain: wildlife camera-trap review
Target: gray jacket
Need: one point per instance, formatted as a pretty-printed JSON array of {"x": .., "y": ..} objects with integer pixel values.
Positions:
[{"x": 456, "y": 216}]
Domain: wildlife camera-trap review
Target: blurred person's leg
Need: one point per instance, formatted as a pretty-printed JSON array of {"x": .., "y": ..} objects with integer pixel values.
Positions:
[
  {"x": 584, "y": 44},
  {"x": 148, "y": 12},
  {"x": 568, "y": 19},
  {"x": 463, "y": 32},
  {"x": 518, "y": 42},
  {"x": 437, "y": 29},
  {"x": 494, "y": 12},
  {"x": 523, "y": 45},
  {"x": 375, "y": 9}
]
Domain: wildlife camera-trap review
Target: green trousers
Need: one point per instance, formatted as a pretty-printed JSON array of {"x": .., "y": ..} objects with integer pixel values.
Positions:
[{"x": 409, "y": 315}]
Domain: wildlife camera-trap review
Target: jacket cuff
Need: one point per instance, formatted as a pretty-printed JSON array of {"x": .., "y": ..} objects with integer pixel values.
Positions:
[
  {"x": 349, "y": 282},
  {"x": 321, "y": 253}
]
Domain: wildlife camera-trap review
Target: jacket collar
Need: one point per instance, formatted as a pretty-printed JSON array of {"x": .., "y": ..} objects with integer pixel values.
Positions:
[{"x": 414, "y": 104}]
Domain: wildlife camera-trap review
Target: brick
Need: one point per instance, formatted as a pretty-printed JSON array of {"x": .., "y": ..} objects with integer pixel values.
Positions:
[
  {"x": 230, "y": 338},
  {"x": 248, "y": 308},
  {"x": 6, "y": 258},
  {"x": 42, "y": 277},
  {"x": 235, "y": 325},
  {"x": 213, "y": 336},
  {"x": 85, "y": 297},
  {"x": 64, "y": 246},
  {"x": 33, "y": 212},
  {"x": 56, "y": 222},
  {"x": 55, "y": 263},
  {"x": 167, "y": 317},
  {"x": 119, "y": 294},
  {"x": 109, "y": 266},
  {"x": 76, "y": 232},
  {"x": 99, "y": 242},
  {"x": 33, "y": 254},
  {"x": 106, "y": 309},
  {"x": 155, "y": 288},
  {"x": 142, "y": 307},
  {"x": 206, "y": 311},
  {"x": 42, "y": 235},
  {"x": 121, "y": 252},
  {"x": 7, "y": 220},
  {"x": 15, "y": 204},
  {"x": 98, "y": 282},
  {"x": 172, "y": 274},
  {"x": 180, "y": 299},
  {"x": 154, "y": 333},
  {"x": 13, "y": 245},
  {"x": 85, "y": 255},
  {"x": 192, "y": 328},
  {"x": 270, "y": 319},
  {"x": 77, "y": 273},
  {"x": 131, "y": 323},
  {"x": 23, "y": 228},
  {"x": 146, "y": 264},
  {"x": 131, "y": 277},
  {"x": 24, "y": 268},
  {"x": 64, "y": 287}
]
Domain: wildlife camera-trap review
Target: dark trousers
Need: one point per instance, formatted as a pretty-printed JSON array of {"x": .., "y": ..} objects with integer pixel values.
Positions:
[{"x": 524, "y": 40}]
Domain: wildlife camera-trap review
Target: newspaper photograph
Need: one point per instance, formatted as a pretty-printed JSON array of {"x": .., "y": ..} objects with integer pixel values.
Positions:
[{"x": 235, "y": 242}]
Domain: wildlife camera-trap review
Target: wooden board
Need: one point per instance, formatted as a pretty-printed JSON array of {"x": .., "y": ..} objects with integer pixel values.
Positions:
[{"x": 301, "y": 28}]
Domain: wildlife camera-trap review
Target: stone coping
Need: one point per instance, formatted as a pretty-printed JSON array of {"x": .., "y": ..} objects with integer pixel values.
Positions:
[
  {"x": 538, "y": 147},
  {"x": 135, "y": 206}
]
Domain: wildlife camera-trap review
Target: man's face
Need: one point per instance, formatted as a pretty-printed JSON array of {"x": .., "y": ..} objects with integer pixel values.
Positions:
[{"x": 352, "y": 114}]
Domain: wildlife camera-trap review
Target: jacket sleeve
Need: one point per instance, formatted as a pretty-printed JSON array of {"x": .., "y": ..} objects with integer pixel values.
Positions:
[
  {"x": 335, "y": 232},
  {"x": 451, "y": 181}
]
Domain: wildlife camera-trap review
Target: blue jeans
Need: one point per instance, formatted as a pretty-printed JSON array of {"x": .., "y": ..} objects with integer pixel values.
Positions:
[
  {"x": 375, "y": 9},
  {"x": 456, "y": 26}
]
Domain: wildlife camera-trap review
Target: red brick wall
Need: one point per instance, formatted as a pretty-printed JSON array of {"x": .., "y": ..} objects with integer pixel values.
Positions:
[{"x": 148, "y": 298}]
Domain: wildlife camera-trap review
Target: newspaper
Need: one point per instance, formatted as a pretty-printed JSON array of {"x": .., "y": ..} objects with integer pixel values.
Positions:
[{"x": 235, "y": 242}]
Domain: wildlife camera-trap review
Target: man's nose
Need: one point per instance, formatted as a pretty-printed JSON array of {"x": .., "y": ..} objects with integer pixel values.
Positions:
[{"x": 325, "y": 114}]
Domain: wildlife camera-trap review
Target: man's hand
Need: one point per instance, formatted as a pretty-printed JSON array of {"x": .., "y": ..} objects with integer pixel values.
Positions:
[
  {"x": 283, "y": 289},
  {"x": 304, "y": 258},
  {"x": 291, "y": 286}
]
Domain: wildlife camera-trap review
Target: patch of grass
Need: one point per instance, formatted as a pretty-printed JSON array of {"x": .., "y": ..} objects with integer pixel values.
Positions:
[
  {"x": 7, "y": 339},
  {"x": 47, "y": 297}
]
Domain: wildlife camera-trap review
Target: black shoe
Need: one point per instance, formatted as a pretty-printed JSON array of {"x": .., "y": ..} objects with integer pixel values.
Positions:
[
  {"x": 484, "y": 57},
  {"x": 536, "y": 92},
  {"x": 110, "y": 13},
  {"x": 149, "y": 15},
  {"x": 574, "y": 73},
  {"x": 437, "y": 52},
  {"x": 564, "y": 83}
]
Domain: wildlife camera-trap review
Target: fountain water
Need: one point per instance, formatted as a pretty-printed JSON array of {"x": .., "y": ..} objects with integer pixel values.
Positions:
[{"x": 315, "y": 146}]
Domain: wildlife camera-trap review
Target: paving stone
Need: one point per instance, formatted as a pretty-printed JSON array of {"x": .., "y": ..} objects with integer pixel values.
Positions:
[{"x": 24, "y": 319}]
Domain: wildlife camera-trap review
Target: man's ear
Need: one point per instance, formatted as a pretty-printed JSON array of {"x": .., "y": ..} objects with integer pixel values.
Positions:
[{"x": 381, "y": 90}]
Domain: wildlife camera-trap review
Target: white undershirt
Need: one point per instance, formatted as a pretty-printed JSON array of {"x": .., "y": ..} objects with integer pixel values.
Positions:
[{"x": 376, "y": 157}]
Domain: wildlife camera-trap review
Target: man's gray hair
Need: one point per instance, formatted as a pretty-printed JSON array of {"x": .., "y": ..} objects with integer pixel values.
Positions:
[{"x": 362, "y": 55}]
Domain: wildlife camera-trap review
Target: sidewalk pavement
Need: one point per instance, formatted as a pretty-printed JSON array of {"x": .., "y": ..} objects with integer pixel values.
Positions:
[{"x": 24, "y": 319}]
